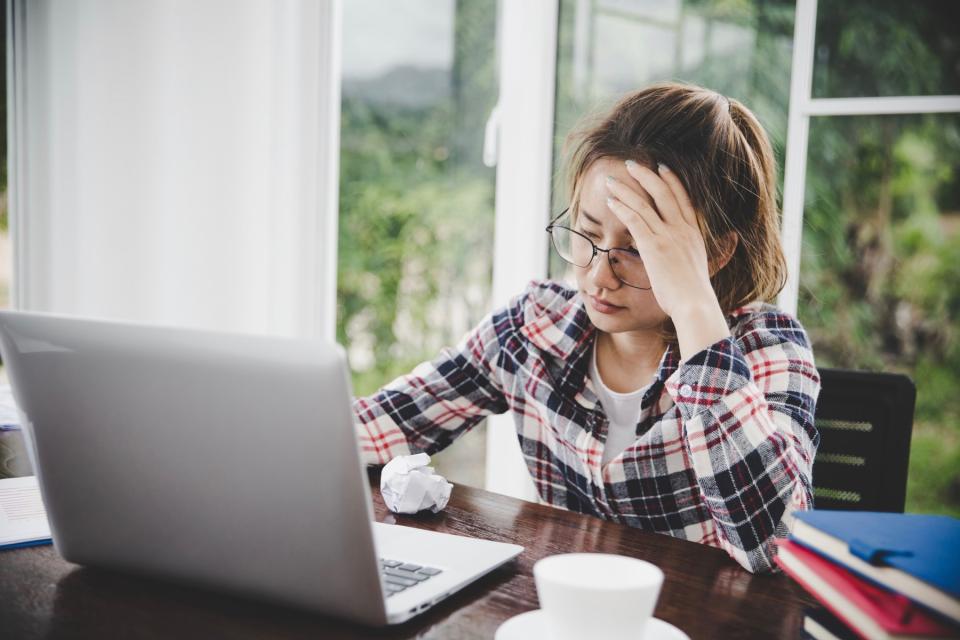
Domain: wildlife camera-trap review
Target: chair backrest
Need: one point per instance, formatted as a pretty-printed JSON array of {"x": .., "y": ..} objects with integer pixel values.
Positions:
[{"x": 865, "y": 421}]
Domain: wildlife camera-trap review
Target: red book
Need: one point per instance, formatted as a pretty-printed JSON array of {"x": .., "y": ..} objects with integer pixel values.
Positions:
[{"x": 869, "y": 610}]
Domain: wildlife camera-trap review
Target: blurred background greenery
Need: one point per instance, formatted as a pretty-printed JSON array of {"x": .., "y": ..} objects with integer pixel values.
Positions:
[{"x": 880, "y": 270}]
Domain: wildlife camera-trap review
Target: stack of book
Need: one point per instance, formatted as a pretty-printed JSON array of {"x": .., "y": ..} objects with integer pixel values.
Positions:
[{"x": 877, "y": 575}]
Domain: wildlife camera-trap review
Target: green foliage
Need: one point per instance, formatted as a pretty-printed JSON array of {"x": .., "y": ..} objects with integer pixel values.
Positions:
[
  {"x": 880, "y": 277},
  {"x": 416, "y": 211},
  {"x": 410, "y": 230},
  {"x": 881, "y": 273},
  {"x": 886, "y": 48}
]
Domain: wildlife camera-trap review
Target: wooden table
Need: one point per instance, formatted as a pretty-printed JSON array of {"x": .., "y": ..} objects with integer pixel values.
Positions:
[{"x": 706, "y": 593}]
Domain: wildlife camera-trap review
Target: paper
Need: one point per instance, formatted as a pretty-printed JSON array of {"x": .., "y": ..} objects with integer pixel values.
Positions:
[
  {"x": 23, "y": 520},
  {"x": 9, "y": 418},
  {"x": 408, "y": 485}
]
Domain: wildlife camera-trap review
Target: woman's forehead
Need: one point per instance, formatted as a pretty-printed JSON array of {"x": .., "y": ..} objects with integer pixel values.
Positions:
[
  {"x": 591, "y": 203},
  {"x": 596, "y": 174},
  {"x": 599, "y": 216}
]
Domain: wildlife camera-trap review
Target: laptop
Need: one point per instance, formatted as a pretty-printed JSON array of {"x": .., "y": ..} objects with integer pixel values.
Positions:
[{"x": 225, "y": 461}]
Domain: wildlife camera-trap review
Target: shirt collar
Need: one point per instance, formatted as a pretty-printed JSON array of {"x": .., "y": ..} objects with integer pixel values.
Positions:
[
  {"x": 568, "y": 334},
  {"x": 561, "y": 333}
]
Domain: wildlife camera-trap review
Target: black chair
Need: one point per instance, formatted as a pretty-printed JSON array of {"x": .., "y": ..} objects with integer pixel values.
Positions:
[{"x": 865, "y": 422}]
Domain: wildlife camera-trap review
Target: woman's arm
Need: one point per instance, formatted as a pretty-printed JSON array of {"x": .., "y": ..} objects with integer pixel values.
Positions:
[
  {"x": 747, "y": 405},
  {"x": 746, "y": 402},
  {"x": 427, "y": 409}
]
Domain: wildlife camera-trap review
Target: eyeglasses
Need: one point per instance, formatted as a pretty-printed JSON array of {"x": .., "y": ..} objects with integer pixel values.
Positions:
[{"x": 579, "y": 250}]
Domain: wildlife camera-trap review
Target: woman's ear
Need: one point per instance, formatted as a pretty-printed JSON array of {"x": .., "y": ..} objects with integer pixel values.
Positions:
[{"x": 727, "y": 247}]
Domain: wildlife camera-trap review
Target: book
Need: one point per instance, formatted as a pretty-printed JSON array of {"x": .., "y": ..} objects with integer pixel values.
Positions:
[
  {"x": 915, "y": 555},
  {"x": 23, "y": 520},
  {"x": 820, "y": 624},
  {"x": 871, "y": 611}
]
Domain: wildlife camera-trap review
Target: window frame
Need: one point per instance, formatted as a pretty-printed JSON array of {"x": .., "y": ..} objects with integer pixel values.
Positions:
[
  {"x": 804, "y": 106},
  {"x": 522, "y": 133}
]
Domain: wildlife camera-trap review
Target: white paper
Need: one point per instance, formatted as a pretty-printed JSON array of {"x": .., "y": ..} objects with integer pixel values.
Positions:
[
  {"x": 408, "y": 485},
  {"x": 22, "y": 516}
]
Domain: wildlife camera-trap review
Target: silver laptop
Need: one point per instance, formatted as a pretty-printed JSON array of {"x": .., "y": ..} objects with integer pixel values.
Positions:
[{"x": 226, "y": 461}]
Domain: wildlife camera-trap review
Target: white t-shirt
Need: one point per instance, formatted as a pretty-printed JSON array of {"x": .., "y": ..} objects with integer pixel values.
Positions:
[{"x": 622, "y": 409}]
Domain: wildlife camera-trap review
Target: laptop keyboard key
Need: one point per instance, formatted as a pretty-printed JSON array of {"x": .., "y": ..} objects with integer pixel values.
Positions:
[
  {"x": 399, "y": 576},
  {"x": 409, "y": 575}
]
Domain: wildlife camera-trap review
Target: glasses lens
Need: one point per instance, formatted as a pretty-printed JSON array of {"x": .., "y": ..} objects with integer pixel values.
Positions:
[
  {"x": 572, "y": 247},
  {"x": 628, "y": 266}
]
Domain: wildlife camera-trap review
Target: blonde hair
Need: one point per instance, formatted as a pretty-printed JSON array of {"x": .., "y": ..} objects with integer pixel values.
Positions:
[{"x": 723, "y": 157}]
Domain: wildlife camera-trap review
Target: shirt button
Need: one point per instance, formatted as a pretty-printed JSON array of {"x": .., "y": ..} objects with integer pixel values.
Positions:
[{"x": 686, "y": 390}]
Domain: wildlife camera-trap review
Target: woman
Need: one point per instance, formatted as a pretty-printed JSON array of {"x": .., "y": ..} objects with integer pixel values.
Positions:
[{"x": 662, "y": 392}]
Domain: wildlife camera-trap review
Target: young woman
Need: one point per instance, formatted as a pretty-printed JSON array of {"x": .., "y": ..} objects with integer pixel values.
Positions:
[{"x": 662, "y": 392}]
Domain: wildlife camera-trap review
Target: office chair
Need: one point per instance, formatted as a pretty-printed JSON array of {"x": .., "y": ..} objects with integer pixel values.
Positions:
[{"x": 865, "y": 421}]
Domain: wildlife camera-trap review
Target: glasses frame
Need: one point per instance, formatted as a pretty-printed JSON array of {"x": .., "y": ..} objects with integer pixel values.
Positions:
[{"x": 596, "y": 250}]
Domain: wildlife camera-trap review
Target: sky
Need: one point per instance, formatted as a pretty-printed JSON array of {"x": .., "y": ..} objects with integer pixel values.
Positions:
[{"x": 373, "y": 43}]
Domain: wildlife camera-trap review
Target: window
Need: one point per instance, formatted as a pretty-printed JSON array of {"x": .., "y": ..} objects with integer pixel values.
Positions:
[
  {"x": 880, "y": 256},
  {"x": 416, "y": 200},
  {"x": 13, "y": 453},
  {"x": 6, "y": 258},
  {"x": 886, "y": 48}
]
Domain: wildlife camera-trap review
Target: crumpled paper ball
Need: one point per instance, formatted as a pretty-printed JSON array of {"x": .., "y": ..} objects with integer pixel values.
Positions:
[{"x": 408, "y": 485}]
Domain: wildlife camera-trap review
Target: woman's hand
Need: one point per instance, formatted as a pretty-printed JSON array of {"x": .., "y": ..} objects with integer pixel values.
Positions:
[
  {"x": 666, "y": 235},
  {"x": 664, "y": 228}
]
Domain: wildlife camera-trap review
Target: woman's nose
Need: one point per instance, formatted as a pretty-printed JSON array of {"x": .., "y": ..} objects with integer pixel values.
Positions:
[{"x": 602, "y": 274}]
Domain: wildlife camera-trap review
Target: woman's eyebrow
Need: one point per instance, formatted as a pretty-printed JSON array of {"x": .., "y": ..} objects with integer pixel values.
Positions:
[{"x": 590, "y": 218}]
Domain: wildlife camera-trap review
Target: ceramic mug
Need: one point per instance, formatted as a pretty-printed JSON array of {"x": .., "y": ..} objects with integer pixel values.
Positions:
[{"x": 596, "y": 595}]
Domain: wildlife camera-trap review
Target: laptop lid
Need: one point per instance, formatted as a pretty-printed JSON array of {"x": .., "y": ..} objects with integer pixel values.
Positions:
[{"x": 222, "y": 460}]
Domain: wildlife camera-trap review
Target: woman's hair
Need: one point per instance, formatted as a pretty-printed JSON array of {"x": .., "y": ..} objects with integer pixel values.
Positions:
[{"x": 723, "y": 157}]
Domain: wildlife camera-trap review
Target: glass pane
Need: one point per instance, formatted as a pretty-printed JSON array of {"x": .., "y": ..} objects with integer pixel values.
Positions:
[
  {"x": 416, "y": 201},
  {"x": 880, "y": 272},
  {"x": 607, "y": 48},
  {"x": 13, "y": 454},
  {"x": 887, "y": 48},
  {"x": 6, "y": 255}
]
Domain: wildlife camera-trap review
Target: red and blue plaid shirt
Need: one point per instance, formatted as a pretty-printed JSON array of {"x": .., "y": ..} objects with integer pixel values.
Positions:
[{"x": 725, "y": 444}]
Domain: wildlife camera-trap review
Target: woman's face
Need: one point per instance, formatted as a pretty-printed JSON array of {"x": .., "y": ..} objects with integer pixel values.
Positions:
[{"x": 612, "y": 306}]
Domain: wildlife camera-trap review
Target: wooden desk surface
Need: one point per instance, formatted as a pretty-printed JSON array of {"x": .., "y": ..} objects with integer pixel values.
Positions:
[{"x": 706, "y": 593}]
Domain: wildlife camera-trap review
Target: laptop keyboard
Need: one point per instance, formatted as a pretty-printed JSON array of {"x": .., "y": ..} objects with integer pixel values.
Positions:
[{"x": 398, "y": 576}]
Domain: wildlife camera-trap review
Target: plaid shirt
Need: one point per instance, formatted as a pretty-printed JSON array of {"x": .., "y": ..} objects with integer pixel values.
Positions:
[{"x": 724, "y": 447}]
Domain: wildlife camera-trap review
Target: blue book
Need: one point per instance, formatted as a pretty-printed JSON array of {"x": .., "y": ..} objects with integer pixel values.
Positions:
[{"x": 915, "y": 555}]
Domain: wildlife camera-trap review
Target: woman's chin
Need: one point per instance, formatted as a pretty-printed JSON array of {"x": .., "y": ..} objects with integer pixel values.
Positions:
[
  {"x": 622, "y": 320},
  {"x": 607, "y": 322}
]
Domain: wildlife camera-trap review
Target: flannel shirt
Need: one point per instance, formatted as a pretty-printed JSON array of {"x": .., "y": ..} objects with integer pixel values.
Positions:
[{"x": 724, "y": 448}]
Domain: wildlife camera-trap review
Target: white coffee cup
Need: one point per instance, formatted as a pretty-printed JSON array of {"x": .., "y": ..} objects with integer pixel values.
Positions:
[{"x": 596, "y": 595}]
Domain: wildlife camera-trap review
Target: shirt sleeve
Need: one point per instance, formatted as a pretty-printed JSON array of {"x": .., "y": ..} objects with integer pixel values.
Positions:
[
  {"x": 427, "y": 409},
  {"x": 747, "y": 405}
]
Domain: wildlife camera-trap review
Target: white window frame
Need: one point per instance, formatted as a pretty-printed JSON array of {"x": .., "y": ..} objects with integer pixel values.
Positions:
[
  {"x": 522, "y": 135},
  {"x": 803, "y": 106}
]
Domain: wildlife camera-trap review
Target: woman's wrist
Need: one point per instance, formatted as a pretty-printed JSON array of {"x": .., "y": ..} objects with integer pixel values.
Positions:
[{"x": 699, "y": 325}]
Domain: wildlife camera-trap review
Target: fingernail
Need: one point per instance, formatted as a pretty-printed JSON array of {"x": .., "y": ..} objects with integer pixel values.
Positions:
[
  {"x": 631, "y": 163},
  {"x": 609, "y": 202},
  {"x": 611, "y": 179},
  {"x": 662, "y": 167}
]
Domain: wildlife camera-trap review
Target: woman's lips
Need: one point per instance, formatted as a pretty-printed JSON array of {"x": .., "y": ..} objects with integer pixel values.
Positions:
[{"x": 604, "y": 307}]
